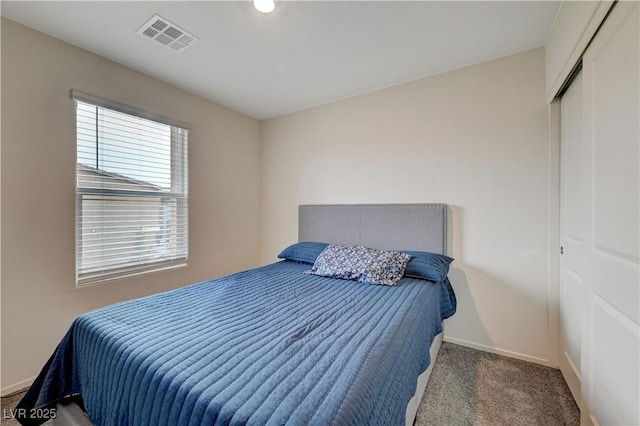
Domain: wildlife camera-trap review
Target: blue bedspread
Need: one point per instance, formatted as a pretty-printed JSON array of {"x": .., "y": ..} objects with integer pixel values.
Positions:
[{"x": 265, "y": 346}]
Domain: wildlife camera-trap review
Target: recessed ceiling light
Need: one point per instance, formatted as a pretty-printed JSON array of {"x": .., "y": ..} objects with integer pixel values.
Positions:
[{"x": 264, "y": 6}]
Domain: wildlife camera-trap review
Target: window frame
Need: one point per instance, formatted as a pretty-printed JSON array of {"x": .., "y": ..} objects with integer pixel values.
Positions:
[{"x": 179, "y": 134}]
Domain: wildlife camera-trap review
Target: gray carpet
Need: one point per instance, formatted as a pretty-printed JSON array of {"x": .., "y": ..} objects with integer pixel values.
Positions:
[{"x": 470, "y": 387}]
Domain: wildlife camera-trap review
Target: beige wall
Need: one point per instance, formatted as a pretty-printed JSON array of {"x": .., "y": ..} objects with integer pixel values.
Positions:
[
  {"x": 475, "y": 138},
  {"x": 39, "y": 297}
]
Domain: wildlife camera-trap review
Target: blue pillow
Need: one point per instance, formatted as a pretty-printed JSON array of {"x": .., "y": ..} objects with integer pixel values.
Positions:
[
  {"x": 429, "y": 266},
  {"x": 305, "y": 252}
]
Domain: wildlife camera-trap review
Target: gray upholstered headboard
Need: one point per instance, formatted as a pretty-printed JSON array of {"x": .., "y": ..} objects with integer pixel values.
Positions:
[{"x": 383, "y": 226}]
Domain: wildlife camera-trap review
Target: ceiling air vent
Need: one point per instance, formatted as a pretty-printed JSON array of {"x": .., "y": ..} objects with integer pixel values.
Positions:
[{"x": 167, "y": 34}]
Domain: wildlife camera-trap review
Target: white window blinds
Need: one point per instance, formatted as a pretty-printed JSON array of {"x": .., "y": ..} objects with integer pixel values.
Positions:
[{"x": 131, "y": 193}]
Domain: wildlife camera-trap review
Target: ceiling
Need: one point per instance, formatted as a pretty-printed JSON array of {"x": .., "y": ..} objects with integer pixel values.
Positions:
[{"x": 303, "y": 54}]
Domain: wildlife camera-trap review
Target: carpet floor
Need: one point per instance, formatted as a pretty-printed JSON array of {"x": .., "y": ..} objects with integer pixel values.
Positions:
[{"x": 470, "y": 387}]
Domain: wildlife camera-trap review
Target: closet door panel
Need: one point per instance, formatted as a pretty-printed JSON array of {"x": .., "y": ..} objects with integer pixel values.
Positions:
[
  {"x": 614, "y": 366},
  {"x": 614, "y": 94},
  {"x": 611, "y": 342},
  {"x": 573, "y": 302},
  {"x": 612, "y": 108},
  {"x": 572, "y": 235}
]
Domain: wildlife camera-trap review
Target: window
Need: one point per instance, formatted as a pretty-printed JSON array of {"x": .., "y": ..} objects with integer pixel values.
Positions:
[{"x": 131, "y": 191}]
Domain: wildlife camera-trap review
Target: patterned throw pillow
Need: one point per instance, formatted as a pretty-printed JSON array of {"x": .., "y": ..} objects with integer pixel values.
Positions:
[{"x": 360, "y": 263}]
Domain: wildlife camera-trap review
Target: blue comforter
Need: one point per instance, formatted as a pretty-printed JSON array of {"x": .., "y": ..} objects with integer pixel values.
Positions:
[{"x": 265, "y": 346}]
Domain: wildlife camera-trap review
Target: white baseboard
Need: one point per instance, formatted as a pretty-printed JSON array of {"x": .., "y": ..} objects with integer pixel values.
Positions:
[
  {"x": 17, "y": 387},
  {"x": 498, "y": 351}
]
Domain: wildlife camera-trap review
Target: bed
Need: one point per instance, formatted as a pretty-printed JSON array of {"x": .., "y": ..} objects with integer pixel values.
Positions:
[{"x": 271, "y": 345}]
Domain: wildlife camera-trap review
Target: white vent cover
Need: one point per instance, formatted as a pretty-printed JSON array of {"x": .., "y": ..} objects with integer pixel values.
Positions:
[{"x": 167, "y": 34}]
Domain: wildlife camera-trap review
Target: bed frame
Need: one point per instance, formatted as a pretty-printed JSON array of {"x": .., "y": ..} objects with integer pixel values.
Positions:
[{"x": 420, "y": 227}]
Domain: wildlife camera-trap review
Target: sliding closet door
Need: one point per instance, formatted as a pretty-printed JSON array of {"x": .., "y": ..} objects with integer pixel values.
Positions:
[
  {"x": 610, "y": 341},
  {"x": 572, "y": 236}
]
